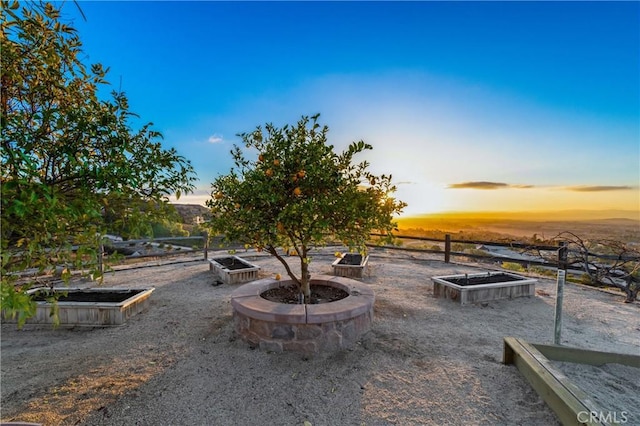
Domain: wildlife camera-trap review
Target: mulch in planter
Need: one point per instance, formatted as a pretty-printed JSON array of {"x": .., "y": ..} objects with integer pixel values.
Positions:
[
  {"x": 290, "y": 295},
  {"x": 232, "y": 263},
  {"x": 351, "y": 259},
  {"x": 493, "y": 279},
  {"x": 89, "y": 296}
]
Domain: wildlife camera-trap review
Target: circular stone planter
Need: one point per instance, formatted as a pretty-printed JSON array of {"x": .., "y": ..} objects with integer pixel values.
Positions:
[{"x": 323, "y": 327}]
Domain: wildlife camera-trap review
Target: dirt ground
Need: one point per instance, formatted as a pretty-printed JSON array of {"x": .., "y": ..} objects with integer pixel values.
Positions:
[{"x": 427, "y": 361}]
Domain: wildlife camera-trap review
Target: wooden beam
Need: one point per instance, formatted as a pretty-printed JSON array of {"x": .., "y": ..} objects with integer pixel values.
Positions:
[
  {"x": 585, "y": 356},
  {"x": 570, "y": 403}
]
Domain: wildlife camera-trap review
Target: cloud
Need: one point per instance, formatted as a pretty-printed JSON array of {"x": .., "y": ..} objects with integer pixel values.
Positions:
[
  {"x": 598, "y": 188},
  {"x": 486, "y": 185},
  {"x": 215, "y": 138},
  {"x": 478, "y": 185}
]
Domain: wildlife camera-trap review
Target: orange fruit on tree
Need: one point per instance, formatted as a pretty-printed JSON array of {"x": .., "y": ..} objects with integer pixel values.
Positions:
[
  {"x": 297, "y": 191},
  {"x": 278, "y": 277},
  {"x": 301, "y": 174},
  {"x": 260, "y": 157},
  {"x": 219, "y": 195},
  {"x": 269, "y": 172},
  {"x": 276, "y": 162}
]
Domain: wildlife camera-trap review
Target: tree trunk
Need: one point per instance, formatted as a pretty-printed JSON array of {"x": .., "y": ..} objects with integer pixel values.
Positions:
[
  {"x": 631, "y": 289},
  {"x": 305, "y": 280}
]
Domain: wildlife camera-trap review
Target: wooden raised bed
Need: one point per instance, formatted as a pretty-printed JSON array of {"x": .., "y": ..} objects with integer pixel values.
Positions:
[
  {"x": 572, "y": 405},
  {"x": 483, "y": 287},
  {"x": 350, "y": 265},
  {"x": 231, "y": 269},
  {"x": 91, "y": 306}
]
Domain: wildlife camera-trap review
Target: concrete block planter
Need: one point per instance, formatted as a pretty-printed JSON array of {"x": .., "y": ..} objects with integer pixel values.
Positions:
[
  {"x": 233, "y": 270},
  {"x": 483, "y": 287},
  {"x": 303, "y": 328},
  {"x": 350, "y": 265}
]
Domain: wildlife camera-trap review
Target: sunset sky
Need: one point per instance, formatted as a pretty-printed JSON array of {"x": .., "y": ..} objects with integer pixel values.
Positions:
[{"x": 476, "y": 106}]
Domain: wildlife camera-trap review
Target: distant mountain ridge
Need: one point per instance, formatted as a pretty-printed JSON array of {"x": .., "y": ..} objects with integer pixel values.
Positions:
[{"x": 609, "y": 224}]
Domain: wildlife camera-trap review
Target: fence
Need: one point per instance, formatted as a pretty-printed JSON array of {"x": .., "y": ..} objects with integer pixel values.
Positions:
[
  {"x": 558, "y": 259},
  {"x": 552, "y": 256},
  {"x": 204, "y": 237}
]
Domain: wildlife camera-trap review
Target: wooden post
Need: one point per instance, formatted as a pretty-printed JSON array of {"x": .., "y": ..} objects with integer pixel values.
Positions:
[
  {"x": 101, "y": 258},
  {"x": 563, "y": 255},
  {"x": 557, "y": 323},
  {"x": 447, "y": 248},
  {"x": 205, "y": 249}
]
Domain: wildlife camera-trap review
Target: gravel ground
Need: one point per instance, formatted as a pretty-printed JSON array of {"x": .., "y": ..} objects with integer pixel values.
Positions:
[{"x": 427, "y": 361}]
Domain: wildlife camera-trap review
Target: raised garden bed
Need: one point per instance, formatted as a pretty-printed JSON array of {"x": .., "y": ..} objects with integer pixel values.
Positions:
[
  {"x": 483, "y": 287},
  {"x": 90, "y": 307},
  {"x": 350, "y": 265},
  {"x": 310, "y": 328},
  {"x": 570, "y": 403},
  {"x": 232, "y": 269}
]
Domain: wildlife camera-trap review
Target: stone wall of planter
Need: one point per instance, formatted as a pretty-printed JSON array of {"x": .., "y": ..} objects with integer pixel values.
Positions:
[{"x": 279, "y": 327}]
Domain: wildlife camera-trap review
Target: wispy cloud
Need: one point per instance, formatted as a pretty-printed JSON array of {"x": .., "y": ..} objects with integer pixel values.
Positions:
[
  {"x": 486, "y": 185},
  {"x": 598, "y": 188},
  {"x": 478, "y": 185},
  {"x": 215, "y": 138}
]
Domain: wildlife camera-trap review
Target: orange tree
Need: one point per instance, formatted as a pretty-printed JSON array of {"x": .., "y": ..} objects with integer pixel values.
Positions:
[
  {"x": 71, "y": 166},
  {"x": 299, "y": 194}
]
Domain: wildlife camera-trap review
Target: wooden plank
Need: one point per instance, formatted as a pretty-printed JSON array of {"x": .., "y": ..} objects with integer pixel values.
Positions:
[
  {"x": 586, "y": 356},
  {"x": 586, "y": 400},
  {"x": 508, "y": 354},
  {"x": 564, "y": 398}
]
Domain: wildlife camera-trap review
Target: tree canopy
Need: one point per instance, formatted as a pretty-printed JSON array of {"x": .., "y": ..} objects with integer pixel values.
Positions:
[
  {"x": 69, "y": 157},
  {"x": 298, "y": 193}
]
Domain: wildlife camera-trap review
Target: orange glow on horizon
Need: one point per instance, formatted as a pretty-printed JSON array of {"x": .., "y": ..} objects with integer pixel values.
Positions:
[{"x": 431, "y": 199}]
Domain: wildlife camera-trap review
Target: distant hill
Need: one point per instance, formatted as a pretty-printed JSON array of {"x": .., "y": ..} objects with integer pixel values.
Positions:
[
  {"x": 537, "y": 216},
  {"x": 608, "y": 224},
  {"x": 189, "y": 212}
]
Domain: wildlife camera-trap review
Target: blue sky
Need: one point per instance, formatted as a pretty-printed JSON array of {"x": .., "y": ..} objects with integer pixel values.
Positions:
[{"x": 471, "y": 106}]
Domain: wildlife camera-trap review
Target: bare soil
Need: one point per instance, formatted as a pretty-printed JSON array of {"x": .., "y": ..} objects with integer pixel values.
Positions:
[
  {"x": 351, "y": 259},
  {"x": 291, "y": 294},
  {"x": 90, "y": 296},
  {"x": 427, "y": 361},
  {"x": 232, "y": 264},
  {"x": 492, "y": 279}
]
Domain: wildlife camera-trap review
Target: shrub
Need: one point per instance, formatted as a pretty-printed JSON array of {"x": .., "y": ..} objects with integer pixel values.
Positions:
[{"x": 513, "y": 266}]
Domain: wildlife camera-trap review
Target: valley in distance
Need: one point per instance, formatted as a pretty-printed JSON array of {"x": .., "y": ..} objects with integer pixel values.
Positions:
[{"x": 619, "y": 225}]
